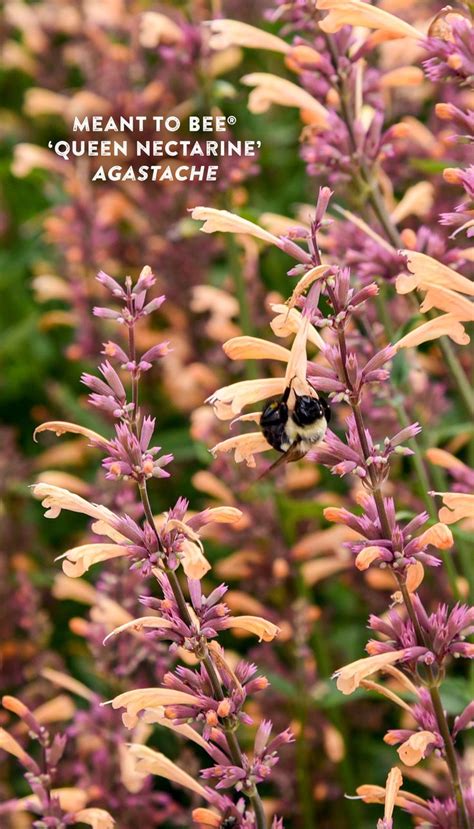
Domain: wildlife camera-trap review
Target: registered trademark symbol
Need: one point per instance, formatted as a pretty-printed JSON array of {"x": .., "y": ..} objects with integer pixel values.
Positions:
[{"x": 231, "y": 120}]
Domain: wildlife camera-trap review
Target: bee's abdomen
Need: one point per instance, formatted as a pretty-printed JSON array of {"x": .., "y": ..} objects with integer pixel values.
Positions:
[{"x": 276, "y": 437}]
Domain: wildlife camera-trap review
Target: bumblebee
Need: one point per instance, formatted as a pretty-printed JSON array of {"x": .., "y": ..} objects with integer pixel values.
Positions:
[{"x": 297, "y": 429}]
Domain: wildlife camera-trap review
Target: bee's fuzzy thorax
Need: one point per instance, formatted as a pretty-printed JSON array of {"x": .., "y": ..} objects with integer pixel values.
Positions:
[{"x": 311, "y": 434}]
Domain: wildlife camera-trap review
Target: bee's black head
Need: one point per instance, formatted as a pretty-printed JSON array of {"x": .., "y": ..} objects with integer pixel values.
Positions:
[{"x": 310, "y": 409}]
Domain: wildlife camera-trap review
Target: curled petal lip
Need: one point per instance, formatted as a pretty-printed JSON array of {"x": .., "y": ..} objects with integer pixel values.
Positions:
[
  {"x": 244, "y": 446},
  {"x": 241, "y": 394},
  {"x": 429, "y": 273},
  {"x": 445, "y": 325}
]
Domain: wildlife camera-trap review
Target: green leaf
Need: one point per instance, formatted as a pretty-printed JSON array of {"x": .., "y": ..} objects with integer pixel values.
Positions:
[{"x": 455, "y": 695}]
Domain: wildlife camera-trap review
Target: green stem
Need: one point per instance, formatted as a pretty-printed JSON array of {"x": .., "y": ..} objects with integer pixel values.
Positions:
[
  {"x": 229, "y": 726},
  {"x": 240, "y": 287},
  {"x": 458, "y": 374},
  {"x": 298, "y": 590},
  {"x": 295, "y": 596},
  {"x": 433, "y": 687}
]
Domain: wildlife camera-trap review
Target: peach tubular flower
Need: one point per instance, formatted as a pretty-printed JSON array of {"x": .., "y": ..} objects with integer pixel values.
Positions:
[
  {"x": 270, "y": 89},
  {"x": 251, "y": 348},
  {"x": 96, "y": 818},
  {"x": 137, "y": 625},
  {"x": 79, "y": 590},
  {"x": 153, "y": 762},
  {"x": 444, "y": 289},
  {"x": 322, "y": 568},
  {"x": 48, "y": 286},
  {"x": 306, "y": 281},
  {"x": 10, "y": 745},
  {"x": 191, "y": 552},
  {"x": 450, "y": 301},
  {"x": 144, "y": 698},
  {"x": 262, "y": 628},
  {"x": 377, "y": 794},
  {"x": 211, "y": 485},
  {"x": 224, "y": 61},
  {"x": 238, "y": 395},
  {"x": 457, "y": 505},
  {"x": 439, "y": 535},
  {"x": 369, "y": 685},
  {"x": 15, "y": 705},
  {"x": 245, "y": 447},
  {"x": 65, "y": 480},
  {"x": 39, "y": 101},
  {"x": 349, "y": 677},
  {"x": 334, "y": 745},
  {"x": 427, "y": 272},
  {"x": 279, "y": 224},
  {"x": 392, "y": 787},
  {"x": 414, "y": 749},
  {"x": 69, "y": 683},
  {"x": 414, "y": 576},
  {"x": 78, "y": 560},
  {"x": 62, "y": 427},
  {"x": 417, "y": 201},
  {"x": 108, "y": 613},
  {"x": 157, "y": 716},
  {"x": 28, "y": 157},
  {"x": 70, "y": 800},
  {"x": 55, "y": 498},
  {"x": 130, "y": 777},
  {"x": 230, "y": 400},
  {"x": 367, "y": 556},
  {"x": 440, "y": 457},
  {"x": 225, "y": 33},
  {"x": 297, "y": 366},
  {"x": 365, "y": 228},
  {"x": 156, "y": 28},
  {"x": 205, "y": 817},
  {"x": 446, "y": 325},
  {"x": 403, "y": 76},
  {"x": 359, "y": 13},
  {"x": 221, "y": 515},
  {"x": 102, "y": 527},
  {"x": 288, "y": 321},
  {"x": 224, "y": 221},
  {"x": 193, "y": 560}
]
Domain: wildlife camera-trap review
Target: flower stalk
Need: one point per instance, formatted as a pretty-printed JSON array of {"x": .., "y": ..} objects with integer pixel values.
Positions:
[
  {"x": 433, "y": 683},
  {"x": 433, "y": 688}
]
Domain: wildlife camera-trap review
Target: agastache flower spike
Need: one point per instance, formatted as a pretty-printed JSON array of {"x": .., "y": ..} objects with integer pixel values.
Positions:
[
  {"x": 52, "y": 807},
  {"x": 204, "y": 704}
]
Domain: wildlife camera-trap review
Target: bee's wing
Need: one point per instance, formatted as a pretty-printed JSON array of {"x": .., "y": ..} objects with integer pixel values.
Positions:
[{"x": 294, "y": 453}]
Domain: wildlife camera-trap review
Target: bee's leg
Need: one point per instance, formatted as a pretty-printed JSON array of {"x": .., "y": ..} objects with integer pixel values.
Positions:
[
  {"x": 326, "y": 408},
  {"x": 286, "y": 393}
]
